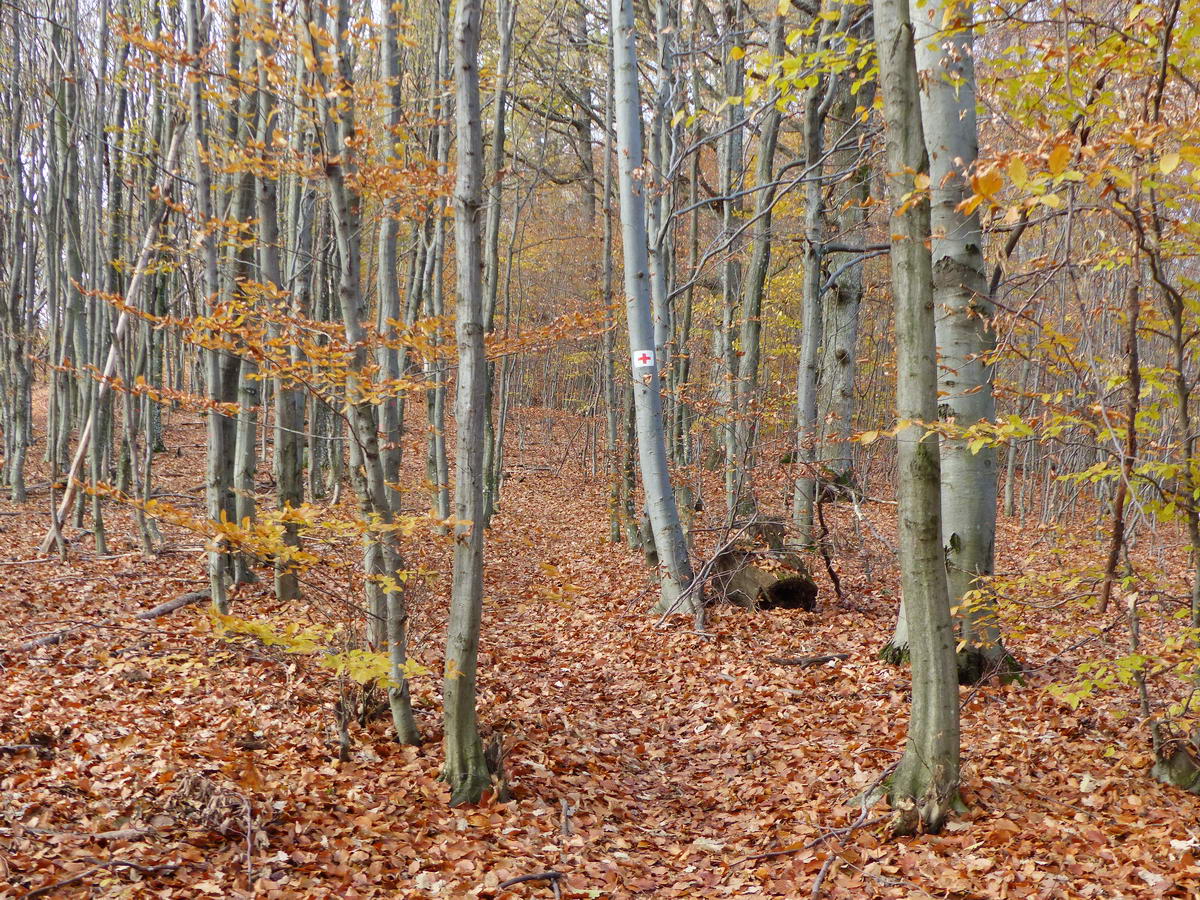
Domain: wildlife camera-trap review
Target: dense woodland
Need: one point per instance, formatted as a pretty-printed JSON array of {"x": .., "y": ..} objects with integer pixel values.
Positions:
[{"x": 667, "y": 448}]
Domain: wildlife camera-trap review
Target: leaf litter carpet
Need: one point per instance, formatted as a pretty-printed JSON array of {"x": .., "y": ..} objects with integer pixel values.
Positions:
[{"x": 158, "y": 759}]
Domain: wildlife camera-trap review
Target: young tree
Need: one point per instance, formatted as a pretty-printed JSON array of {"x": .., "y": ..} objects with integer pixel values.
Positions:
[
  {"x": 466, "y": 771},
  {"x": 218, "y": 474},
  {"x": 676, "y": 571},
  {"x": 382, "y": 561}
]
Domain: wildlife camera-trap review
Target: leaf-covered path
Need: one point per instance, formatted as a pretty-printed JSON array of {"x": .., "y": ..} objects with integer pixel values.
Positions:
[{"x": 646, "y": 761}]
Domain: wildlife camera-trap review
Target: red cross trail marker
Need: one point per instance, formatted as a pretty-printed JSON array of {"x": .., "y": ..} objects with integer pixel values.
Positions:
[{"x": 643, "y": 359}]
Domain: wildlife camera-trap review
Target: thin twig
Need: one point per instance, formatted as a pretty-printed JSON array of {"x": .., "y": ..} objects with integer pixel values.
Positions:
[
  {"x": 551, "y": 876},
  {"x": 99, "y": 866},
  {"x": 816, "y": 888},
  {"x": 860, "y": 822}
]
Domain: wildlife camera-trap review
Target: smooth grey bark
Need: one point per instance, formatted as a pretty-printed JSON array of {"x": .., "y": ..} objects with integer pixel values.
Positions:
[
  {"x": 217, "y": 476},
  {"x": 924, "y": 788},
  {"x": 241, "y": 275},
  {"x": 745, "y": 386},
  {"x": 659, "y": 221},
  {"x": 437, "y": 466},
  {"x": 729, "y": 181},
  {"x": 608, "y": 371},
  {"x": 506, "y": 20},
  {"x": 946, "y": 71},
  {"x": 466, "y": 771},
  {"x": 302, "y": 277},
  {"x": 391, "y": 412},
  {"x": 17, "y": 302},
  {"x": 382, "y": 561},
  {"x": 844, "y": 300},
  {"x": 390, "y": 310},
  {"x": 817, "y": 101},
  {"x": 287, "y": 464},
  {"x": 675, "y": 567}
]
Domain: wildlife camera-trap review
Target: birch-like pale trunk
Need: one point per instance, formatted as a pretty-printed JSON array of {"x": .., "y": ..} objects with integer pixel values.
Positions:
[
  {"x": 924, "y": 788},
  {"x": 466, "y": 771},
  {"x": 946, "y": 65},
  {"x": 675, "y": 567}
]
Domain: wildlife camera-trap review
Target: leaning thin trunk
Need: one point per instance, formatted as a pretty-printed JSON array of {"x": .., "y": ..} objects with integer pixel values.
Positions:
[{"x": 676, "y": 569}]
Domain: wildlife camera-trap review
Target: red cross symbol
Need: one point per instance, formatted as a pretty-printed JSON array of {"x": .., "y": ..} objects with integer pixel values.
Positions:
[{"x": 644, "y": 358}]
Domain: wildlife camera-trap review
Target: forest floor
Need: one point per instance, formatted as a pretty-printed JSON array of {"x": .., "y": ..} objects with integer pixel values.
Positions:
[{"x": 646, "y": 760}]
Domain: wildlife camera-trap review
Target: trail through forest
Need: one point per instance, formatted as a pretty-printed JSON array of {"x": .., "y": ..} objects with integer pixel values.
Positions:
[{"x": 644, "y": 761}]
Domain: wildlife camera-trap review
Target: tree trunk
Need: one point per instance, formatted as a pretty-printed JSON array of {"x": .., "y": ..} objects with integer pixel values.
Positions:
[
  {"x": 924, "y": 787},
  {"x": 745, "y": 387},
  {"x": 218, "y": 476},
  {"x": 676, "y": 572},
  {"x": 466, "y": 771},
  {"x": 945, "y": 60},
  {"x": 382, "y": 562}
]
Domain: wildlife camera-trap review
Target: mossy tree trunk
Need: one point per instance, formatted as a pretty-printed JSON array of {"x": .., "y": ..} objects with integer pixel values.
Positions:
[{"x": 924, "y": 787}]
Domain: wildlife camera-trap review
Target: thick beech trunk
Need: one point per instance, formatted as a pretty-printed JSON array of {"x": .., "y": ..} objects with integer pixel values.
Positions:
[
  {"x": 924, "y": 787},
  {"x": 945, "y": 59}
]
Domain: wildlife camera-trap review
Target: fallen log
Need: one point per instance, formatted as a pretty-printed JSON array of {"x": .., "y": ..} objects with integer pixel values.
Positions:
[
  {"x": 805, "y": 662},
  {"x": 57, "y": 637},
  {"x": 764, "y": 579},
  {"x": 171, "y": 605}
]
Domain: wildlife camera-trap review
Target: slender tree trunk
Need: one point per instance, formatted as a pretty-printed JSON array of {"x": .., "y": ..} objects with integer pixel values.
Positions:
[
  {"x": 608, "y": 341},
  {"x": 676, "y": 570},
  {"x": 437, "y": 462},
  {"x": 807, "y": 430},
  {"x": 506, "y": 18},
  {"x": 745, "y": 387},
  {"x": 217, "y": 480},
  {"x": 382, "y": 562},
  {"x": 730, "y": 160},
  {"x": 288, "y": 467},
  {"x": 842, "y": 307},
  {"x": 466, "y": 772}
]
